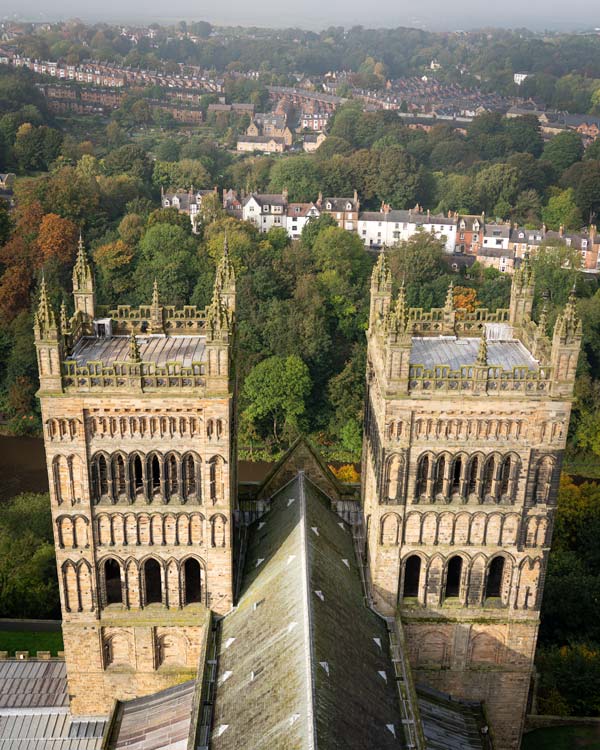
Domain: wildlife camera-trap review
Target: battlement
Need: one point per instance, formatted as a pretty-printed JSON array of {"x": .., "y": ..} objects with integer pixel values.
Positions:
[
  {"x": 127, "y": 319},
  {"x": 450, "y": 350},
  {"x": 433, "y": 322},
  {"x": 149, "y": 348}
]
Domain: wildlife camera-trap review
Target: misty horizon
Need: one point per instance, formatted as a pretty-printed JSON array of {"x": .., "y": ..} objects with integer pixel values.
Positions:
[{"x": 314, "y": 16}]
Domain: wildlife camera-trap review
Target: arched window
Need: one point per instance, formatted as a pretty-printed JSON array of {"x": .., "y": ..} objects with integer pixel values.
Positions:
[
  {"x": 138, "y": 476},
  {"x": 422, "y": 476},
  {"x": 193, "y": 581},
  {"x": 473, "y": 476},
  {"x": 155, "y": 475},
  {"x": 189, "y": 477},
  {"x": 505, "y": 477},
  {"x": 112, "y": 581},
  {"x": 172, "y": 478},
  {"x": 453, "y": 576},
  {"x": 216, "y": 479},
  {"x": 102, "y": 476},
  {"x": 119, "y": 475},
  {"x": 394, "y": 477},
  {"x": 412, "y": 575},
  {"x": 456, "y": 475},
  {"x": 543, "y": 480},
  {"x": 493, "y": 586},
  {"x": 152, "y": 582},
  {"x": 440, "y": 472},
  {"x": 488, "y": 477}
]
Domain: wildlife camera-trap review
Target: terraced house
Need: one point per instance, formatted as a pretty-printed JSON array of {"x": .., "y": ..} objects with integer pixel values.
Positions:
[{"x": 305, "y": 616}]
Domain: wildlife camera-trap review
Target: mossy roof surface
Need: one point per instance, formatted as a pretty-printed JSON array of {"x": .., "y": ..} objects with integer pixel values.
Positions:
[{"x": 303, "y": 663}]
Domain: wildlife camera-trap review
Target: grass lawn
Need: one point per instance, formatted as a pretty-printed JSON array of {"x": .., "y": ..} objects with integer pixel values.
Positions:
[
  {"x": 563, "y": 738},
  {"x": 32, "y": 642}
]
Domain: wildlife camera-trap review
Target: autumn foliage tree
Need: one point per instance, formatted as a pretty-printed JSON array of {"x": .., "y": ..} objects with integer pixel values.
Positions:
[{"x": 57, "y": 239}]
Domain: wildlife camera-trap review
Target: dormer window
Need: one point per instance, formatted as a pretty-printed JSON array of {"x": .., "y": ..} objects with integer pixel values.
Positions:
[
  {"x": 265, "y": 209},
  {"x": 521, "y": 235},
  {"x": 328, "y": 206},
  {"x": 348, "y": 206},
  {"x": 297, "y": 209},
  {"x": 166, "y": 203},
  {"x": 568, "y": 242},
  {"x": 462, "y": 225},
  {"x": 583, "y": 243}
]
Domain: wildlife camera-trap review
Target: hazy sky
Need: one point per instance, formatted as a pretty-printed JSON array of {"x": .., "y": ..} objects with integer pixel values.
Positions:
[{"x": 316, "y": 14}]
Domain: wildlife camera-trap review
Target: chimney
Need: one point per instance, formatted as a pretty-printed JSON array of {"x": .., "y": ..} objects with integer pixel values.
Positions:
[
  {"x": 355, "y": 196},
  {"x": 561, "y": 230},
  {"x": 284, "y": 195},
  {"x": 592, "y": 233}
]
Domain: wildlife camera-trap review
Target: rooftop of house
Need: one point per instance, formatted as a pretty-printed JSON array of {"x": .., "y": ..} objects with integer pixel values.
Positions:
[
  {"x": 260, "y": 139},
  {"x": 267, "y": 199},
  {"x": 157, "y": 348},
  {"x": 339, "y": 204},
  {"x": 457, "y": 352}
]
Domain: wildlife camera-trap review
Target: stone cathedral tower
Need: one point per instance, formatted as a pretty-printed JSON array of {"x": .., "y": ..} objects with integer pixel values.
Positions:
[
  {"x": 465, "y": 426},
  {"x": 138, "y": 408}
]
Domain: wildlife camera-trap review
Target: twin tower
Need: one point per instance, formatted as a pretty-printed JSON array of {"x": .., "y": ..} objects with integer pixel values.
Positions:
[{"x": 466, "y": 419}]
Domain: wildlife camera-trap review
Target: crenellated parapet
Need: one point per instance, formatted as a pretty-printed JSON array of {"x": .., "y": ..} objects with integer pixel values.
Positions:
[
  {"x": 452, "y": 351},
  {"x": 151, "y": 347}
]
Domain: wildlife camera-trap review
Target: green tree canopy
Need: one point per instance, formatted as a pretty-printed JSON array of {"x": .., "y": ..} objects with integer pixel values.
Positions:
[{"x": 275, "y": 394}]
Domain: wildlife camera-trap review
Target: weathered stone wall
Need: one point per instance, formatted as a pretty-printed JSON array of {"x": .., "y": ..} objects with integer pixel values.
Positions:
[{"x": 123, "y": 492}]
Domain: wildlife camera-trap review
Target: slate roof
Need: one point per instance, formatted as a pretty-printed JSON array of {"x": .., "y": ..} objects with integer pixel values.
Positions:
[
  {"x": 339, "y": 204},
  {"x": 32, "y": 683},
  {"x": 449, "y": 724},
  {"x": 34, "y": 713},
  {"x": 460, "y": 352},
  {"x": 157, "y": 348},
  {"x": 161, "y": 721},
  {"x": 400, "y": 216},
  {"x": 48, "y": 729},
  {"x": 303, "y": 662}
]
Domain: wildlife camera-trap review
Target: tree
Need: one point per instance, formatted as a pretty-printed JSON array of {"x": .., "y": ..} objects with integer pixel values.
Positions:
[
  {"x": 584, "y": 178},
  {"x": 400, "y": 181},
  {"x": 333, "y": 145},
  {"x": 57, "y": 239},
  {"x": 129, "y": 159},
  {"x": 562, "y": 211},
  {"x": 169, "y": 255},
  {"x": 563, "y": 150},
  {"x": 299, "y": 175},
  {"x": 181, "y": 175},
  {"x": 418, "y": 259},
  {"x": 28, "y": 581},
  {"x": 525, "y": 134},
  {"x": 498, "y": 182},
  {"x": 114, "y": 262},
  {"x": 275, "y": 392},
  {"x": 313, "y": 227},
  {"x": 37, "y": 147}
]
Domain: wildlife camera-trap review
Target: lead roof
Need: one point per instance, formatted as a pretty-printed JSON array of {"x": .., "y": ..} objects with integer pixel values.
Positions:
[
  {"x": 159, "y": 349},
  {"x": 460, "y": 352}
]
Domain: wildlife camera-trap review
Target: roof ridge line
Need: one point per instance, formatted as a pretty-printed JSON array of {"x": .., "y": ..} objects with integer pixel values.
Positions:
[{"x": 312, "y": 729}]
